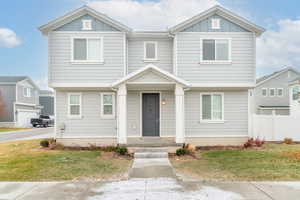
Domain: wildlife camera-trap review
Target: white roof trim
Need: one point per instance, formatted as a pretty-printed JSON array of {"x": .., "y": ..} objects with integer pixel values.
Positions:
[
  {"x": 30, "y": 81},
  {"x": 222, "y": 12},
  {"x": 78, "y": 13},
  {"x": 151, "y": 67},
  {"x": 275, "y": 75}
]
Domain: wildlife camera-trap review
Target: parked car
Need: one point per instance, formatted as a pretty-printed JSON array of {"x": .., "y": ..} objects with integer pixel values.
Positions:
[{"x": 43, "y": 120}]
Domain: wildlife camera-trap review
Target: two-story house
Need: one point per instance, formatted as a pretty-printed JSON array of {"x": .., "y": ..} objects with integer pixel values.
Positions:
[
  {"x": 271, "y": 94},
  {"x": 188, "y": 84},
  {"x": 19, "y": 101}
]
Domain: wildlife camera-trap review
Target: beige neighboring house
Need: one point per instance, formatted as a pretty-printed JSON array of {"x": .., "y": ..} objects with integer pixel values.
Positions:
[{"x": 188, "y": 84}]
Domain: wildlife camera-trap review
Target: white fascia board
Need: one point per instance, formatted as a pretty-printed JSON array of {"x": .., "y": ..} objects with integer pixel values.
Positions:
[
  {"x": 80, "y": 85},
  {"x": 222, "y": 85}
]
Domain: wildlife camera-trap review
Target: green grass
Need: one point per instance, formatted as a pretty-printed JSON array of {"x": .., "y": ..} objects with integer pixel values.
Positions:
[
  {"x": 25, "y": 161},
  {"x": 12, "y": 129},
  {"x": 277, "y": 162}
]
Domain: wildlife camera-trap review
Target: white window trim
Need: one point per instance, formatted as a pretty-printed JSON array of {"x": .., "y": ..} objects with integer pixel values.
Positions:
[
  {"x": 84, "y": 28},
  {"x": 101, "y": 61},
  {"x": 270, "y": 92},
  {"x": 212, "y": 121},
  {"x": 150, "y": 59},
  {"x": 218, "y": 23},
  {"x": 80, "y": 106},
  {"x": 266, "y": 89},
  {"x": 28, "y": 92},
  {"x": 112, "y": 116},
  {"x": 277, "y": 93},
  {"x": 229, "y": 61}
]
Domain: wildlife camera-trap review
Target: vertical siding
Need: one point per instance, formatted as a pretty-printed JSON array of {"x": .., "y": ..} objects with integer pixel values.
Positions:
[
  {"x": 91, "y": 125},
  {"x": 235, "y": 115},
  {"x": 136, "y": 53},
  {"x": 61, "y": 70},
  {"x": 167, "y": 125},
  {"x": 205, "y": 26},
  {"x": 241, "y": 70},
  {"x": 8, "y": 96},
  {"x": 76, "y": 25}
]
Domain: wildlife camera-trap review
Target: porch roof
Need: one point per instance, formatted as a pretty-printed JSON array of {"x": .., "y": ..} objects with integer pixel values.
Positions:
[{"x": 150, "y": 68}]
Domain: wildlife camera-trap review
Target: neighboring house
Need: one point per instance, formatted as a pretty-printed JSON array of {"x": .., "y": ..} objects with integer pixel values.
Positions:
[
  {"x": 295, "y": 96},
  {"x": 47, "y": 102},
  {"x": 189, "y": 84},
  {"x": 21, "y": 101},
  {"x": 271, "y": 94}
]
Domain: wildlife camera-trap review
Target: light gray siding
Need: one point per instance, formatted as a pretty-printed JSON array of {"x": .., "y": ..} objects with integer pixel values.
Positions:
[
  {"x": 62, "y": 70},
  {"x": 205, "y": 26},
  {"x": 91, "y": 124},
  {"x": 8, "y": 96},
  {"x": 240, "y": 70},
  {"x": 136, "y": 53},
  {"x": 76, "y": 25},
  {"x": 235, "y": 115},
  {"x": 280, "y": 81},
  {"x": 167, "y": 121},
  {"x": 33, "y": 99}
]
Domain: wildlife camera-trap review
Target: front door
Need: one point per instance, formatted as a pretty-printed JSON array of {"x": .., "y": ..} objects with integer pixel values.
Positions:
[{"x": 150, "y": 114}]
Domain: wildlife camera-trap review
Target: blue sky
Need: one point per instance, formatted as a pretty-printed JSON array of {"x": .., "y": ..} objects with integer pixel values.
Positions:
[{"x": 29, "y": 57}]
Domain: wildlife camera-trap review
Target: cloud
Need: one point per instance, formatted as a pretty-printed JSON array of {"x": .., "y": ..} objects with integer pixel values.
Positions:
[
  {"x": 151, "y": 15},
  {"x": 8, "y": 38},
  {"x": 279, "y": 48}
]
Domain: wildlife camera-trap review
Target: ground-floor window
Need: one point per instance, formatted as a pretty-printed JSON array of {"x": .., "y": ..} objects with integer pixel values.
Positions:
[
  {"x": 108, "y": 105},
  {"x": 74, "y": 105},
  {"x": 212, "y": 107}
]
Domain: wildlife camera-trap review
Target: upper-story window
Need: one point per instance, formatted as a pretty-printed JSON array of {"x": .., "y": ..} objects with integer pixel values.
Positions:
[
  {"x": 216, "y": 50},
  {"x": 264, "y": 92},
  {"x": 215, "y": 23},
  {"x": 87, "y": 50},
  {"x": 150, "y": 51},
  {"x": 86, "y": 25},
  {"x": 272, "y": 92},
  {"x": 26, "y": 92},
  {"x": 279, "y": 92}
]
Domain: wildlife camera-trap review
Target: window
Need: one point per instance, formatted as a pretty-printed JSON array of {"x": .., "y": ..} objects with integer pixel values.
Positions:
[
  {"x": 88, "y": 50},
  {"x": 150, "y": 51},
  {"x": 26, "y": 92},
  {"x": 264, "y": 92},
  {"x": 108, "y": 105},
  {"x": 86, "y": 24},
  {"x": 212, "y": 106},
  {"x": 296, "y": 92},
  {"x": 272, "y": 92},
  {"x": 215, "y": 23},
  {"x": 279, "y": 92},
  {"x": 74, "y": 104},
  {"x": 216, "y": 50}
]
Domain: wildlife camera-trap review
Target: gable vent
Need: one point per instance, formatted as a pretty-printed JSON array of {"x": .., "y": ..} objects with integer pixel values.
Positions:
[
  {"x": 215, "y": 23},
  {"x": 86, "y": 24}
]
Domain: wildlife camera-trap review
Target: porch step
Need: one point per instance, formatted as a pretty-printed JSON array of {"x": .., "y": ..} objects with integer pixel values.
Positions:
[
  {"x": 151, "y": 153},
  {"x": 143, "y": 150}
]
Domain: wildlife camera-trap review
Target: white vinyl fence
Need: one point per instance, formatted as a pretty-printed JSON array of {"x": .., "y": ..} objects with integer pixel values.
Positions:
[{"x": 276, "y": 127}]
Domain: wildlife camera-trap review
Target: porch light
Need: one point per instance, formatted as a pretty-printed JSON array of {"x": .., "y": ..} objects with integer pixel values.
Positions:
[{"x": 163, "y": 102}]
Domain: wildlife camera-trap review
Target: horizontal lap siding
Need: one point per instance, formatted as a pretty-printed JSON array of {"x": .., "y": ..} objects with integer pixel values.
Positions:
[
  {"x": 136, "y": 54},
  {"x": 241, "y": 70},
  {"x": 61, "y": 70},
  {"x": 8, "y": 96},
  {"x": 235, "y": 115},
  {"x": 91, "y": 124}
]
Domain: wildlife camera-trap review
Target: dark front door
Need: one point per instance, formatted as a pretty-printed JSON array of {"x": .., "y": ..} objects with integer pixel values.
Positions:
[{"x": 150, "y": 114}]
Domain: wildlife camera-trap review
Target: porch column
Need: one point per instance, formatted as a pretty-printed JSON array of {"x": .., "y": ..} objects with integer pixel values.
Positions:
[
  {"x": 179, "y": 104},
  {"x": 122, "y": 114}
]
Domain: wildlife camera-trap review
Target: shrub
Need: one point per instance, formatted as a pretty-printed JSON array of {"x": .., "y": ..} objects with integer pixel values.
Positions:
[
  {"x": 44, "y": 143},
  {"x": 52, "y": 141},
  {"x": 109, "y": 149},
  {"x": 249, "y": 143},
  {"x": 288, "y": 140},
  {"x": 122, "y": 150},
  {"x": 181, "y": 151}
]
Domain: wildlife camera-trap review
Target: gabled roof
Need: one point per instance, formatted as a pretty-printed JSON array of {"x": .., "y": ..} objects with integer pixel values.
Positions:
[
  {"x": 16, "y": 79},
  {"x": 155, "y": 69},
  {"x": 263, "y": 79},
  {"x": 78, "y": 13},
  {"x": 222, "y": 12}
]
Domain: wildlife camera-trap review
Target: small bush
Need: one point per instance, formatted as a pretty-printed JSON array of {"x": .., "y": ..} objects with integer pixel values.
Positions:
[
  {"x": 254, "y": 143},
  {"x": 288, "y": 140},
  {"x": 52, "y": 141},
  {"x": 109, "y": 149},
  {"x": 121, "y": 150},
  {"x": 181, "y": 151},
  {"x": 44, "y": 143}
]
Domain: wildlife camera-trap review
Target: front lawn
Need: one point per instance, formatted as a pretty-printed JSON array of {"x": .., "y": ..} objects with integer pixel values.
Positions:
[
  {"x": 12, "y": 129},
  {"x": 26, "y": 161},
  {"x": 275, "y": 162}
]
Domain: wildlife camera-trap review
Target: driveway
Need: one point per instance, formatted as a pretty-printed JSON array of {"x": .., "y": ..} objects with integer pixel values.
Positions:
[{"x": 35, "y": 133}]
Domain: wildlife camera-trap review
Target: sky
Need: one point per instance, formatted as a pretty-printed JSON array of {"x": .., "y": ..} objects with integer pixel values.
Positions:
[{"x": 23, "y": 49}]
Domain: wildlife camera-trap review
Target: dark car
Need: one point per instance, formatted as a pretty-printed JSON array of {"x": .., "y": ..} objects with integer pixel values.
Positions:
[{"x": 42, "y": 121}]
